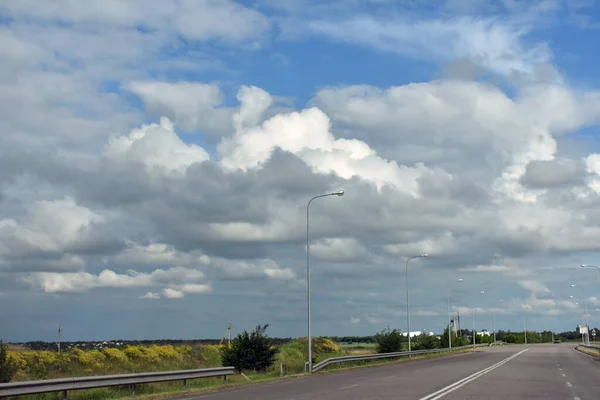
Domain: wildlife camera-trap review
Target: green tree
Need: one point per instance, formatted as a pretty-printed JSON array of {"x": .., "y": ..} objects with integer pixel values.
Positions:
[
  {"x": 389, "y": 341},
  {"x": 250, "y": 351},
  {"x": 7, "y": 369},
  {"x": 426, "y": 342},
  {"x": 456, "y": 340}
]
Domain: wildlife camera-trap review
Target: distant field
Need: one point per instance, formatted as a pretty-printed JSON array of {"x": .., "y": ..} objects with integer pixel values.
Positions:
[
  {"x": 357, "y": 348},
  {"x": 346, "y": 346}
]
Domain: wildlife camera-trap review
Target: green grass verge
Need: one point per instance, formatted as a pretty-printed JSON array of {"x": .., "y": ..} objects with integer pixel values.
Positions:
[
  {"x": 588, "y": 351},
  {"x": 359, "y": 346}
]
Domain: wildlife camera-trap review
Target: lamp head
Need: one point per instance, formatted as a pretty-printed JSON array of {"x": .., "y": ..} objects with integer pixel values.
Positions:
[
  {"x": 424, "y": 255},
  {"x": 572, "y": 286},
  {"x": 460, "y": 279},
  {"x": 339, "y": 193}
]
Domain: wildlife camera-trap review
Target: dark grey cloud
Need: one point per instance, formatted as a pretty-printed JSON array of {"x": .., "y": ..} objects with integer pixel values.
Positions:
[{"x": 540, "y": 174}]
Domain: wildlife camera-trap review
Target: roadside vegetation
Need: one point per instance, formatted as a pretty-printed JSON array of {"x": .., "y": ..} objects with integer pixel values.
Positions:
[{"x": 252, "y": 353}]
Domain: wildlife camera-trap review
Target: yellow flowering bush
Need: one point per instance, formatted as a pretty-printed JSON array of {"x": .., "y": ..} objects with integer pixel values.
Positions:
[
  {"x": 184, "y": 350},
  {"x": 166, "y": 352},
  {"x": 40, "y": 364},
  {"x": 115, "y": 355},
  {"x": 321, "y": 345},
  {"x": 17, "y": 359},
  {"x": 93, "y": 360}
]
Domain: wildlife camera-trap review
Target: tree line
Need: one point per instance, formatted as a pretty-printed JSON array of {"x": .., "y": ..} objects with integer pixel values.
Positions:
[{"x": 256, "y": 351}]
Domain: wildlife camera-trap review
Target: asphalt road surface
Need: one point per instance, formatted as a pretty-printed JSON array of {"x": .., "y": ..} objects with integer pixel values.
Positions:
[{"x": 550, "y": 372}]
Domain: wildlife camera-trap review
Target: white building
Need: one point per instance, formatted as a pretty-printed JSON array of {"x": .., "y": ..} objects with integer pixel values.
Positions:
[{"x": 417, "y": 333}]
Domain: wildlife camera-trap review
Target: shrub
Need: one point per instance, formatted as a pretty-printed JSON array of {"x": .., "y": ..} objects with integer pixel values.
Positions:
[
  {"x": 7, "y": 368},
  {"x": 425, "y": 342},
  {"x": 92, "y": 360},
  {"x": 389, "y": 341},
  {"x": 319, "y": 346},
  {"x": 250, "y": 351},
  {"x": 115, "y": 355}
]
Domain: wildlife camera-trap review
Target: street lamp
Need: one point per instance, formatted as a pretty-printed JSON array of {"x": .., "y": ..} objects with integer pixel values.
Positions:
[
  {"x": 585, "y": 321},
  {"x": 581, "y": 320},
  {"x": 527, "y": 306},
  {"x": 450, "y": 317},
  {"x": 338, "y": 193},
  {"x": 501, "y": 301},
  {"x": 475, "y": 333},
  {"x": 590, "y": 266},
  {"x": 408, "y": 297}
]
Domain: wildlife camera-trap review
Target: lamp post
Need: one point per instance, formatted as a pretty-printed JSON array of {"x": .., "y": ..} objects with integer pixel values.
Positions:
[
  {"x": 338, "y": 193},
  {"x": 408, "y": 297},
  {"x": 580, "y": 320},
  {"x": 475, "y": 333},
  {"x": 591, "y": 266},
  {"x": 584, "y": 338},
  {"x": 501, "y": 301},
  {"x": 527, "y": 306},
  {"x": 583, "y": 317},
  {"x": 450, "y": 317}
]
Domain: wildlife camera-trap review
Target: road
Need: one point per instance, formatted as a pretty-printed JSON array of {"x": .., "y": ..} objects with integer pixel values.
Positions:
[{"x": 550, "y": 372}]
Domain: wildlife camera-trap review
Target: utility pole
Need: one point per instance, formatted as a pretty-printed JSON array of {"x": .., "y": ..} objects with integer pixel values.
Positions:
[
  {"x": 474, "y": 333},
  {"x": 58, "y": 338},
  {"x": 229, "y": 333}
]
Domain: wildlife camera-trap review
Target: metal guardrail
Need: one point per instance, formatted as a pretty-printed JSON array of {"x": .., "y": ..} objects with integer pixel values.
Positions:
[
  {"x": 93, "y": 382},
  {"x": 366, "y": 357}
]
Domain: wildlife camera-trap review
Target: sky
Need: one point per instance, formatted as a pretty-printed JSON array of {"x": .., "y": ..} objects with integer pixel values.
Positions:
[{"x": 157, "y": 159}]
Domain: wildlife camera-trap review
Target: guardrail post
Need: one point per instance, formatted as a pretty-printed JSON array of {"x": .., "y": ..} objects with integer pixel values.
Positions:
[
  {"x": 280, "y": 369},
  {"x": 133, "y": 391},
  {"x": 64, "y": 393},
  {"x": 184, "y": 384},
  {"x": 224, "y": 378}
]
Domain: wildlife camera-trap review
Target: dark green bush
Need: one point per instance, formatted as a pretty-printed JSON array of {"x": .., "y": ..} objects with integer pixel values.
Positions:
[
  {"x": 7, "y": 369},
  {"x": 389, "y": 341},
  {"x": 250, "y": 351}
]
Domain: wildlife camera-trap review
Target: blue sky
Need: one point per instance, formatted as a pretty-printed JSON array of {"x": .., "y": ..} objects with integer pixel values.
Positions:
[{"x": 156, "y": 159}]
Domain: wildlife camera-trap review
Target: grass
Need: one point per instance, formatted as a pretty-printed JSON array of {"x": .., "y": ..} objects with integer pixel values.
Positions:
[
  {"x": 357, "y": 345},
  {"x": 587, "y": 350},
  {"x": 48, "y": 365}
]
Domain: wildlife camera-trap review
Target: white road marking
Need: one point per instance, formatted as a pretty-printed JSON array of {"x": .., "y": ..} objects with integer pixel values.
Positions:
[
  {"x": 560, "y": 369},
  {"x": 348, "y": 387},
  {"x": 564, "y": 375},
  {"x": 576, "y": 398},
  {"x": 569, "y": 384},
  {"x": 456, "y": 385}
]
